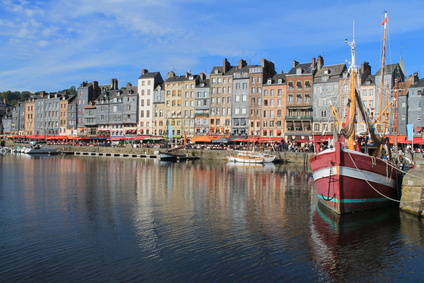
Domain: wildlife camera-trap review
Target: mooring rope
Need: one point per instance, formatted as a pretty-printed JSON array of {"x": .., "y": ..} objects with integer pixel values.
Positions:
[{"x": 389, "y": 198}]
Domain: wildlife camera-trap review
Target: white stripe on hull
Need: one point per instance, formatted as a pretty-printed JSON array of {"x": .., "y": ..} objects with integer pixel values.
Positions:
[{"x": 354, "y": 173}]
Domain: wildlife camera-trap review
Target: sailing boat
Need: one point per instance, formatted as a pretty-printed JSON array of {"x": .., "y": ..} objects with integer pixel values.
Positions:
[{"x": 347, "y": 179}]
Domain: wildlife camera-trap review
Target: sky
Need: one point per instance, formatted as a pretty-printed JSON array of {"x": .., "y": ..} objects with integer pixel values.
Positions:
[{"x": 51, "y": 45}]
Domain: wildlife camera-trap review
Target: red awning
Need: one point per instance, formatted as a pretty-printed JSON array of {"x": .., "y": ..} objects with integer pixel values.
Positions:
[
  {"x": 239, "y": 140},
  {"x": 270, "y": 139},
  {"x": 203, "y": 138},
  {"x": 253, "y": 139}
]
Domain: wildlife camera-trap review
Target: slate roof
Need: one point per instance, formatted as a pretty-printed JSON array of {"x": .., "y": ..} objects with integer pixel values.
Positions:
[
  {"x": 306, "y": 69},
  {"x": 333, "y": 70},
  {"x": 149, "y": 75},
  {"x": 389, "y": 69}
]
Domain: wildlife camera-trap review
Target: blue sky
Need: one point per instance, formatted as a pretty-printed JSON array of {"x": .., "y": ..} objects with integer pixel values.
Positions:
[{"x": 54, "y": 44}]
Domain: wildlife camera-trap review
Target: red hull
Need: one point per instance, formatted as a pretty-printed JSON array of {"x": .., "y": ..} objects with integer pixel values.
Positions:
[{"x": 348, "y": 181}]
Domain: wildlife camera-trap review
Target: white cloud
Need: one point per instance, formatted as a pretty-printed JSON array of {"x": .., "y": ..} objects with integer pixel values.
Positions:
[{"x": 65, "y": 40}]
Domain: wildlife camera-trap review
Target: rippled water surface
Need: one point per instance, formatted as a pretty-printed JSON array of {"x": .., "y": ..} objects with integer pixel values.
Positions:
[{"x": 96, "y": 219}]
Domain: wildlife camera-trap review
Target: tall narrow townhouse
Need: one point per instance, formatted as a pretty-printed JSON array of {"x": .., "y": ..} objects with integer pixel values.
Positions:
[
  {"x": 367, "y": 91},
  {"x": 30, "y": 115},
  {"x": 41, "y": 114},
  {"x": 147, "y": 82},
  {"x": 72, "y": 115},
  {"x": 221, "y": 89},
  {"x": 258, "y": 74},
  {"x": 201, "y": 107},
  {"x": 188, "y": 104},
  {"x": 274, "y": 107},
  {"x": 299, "y": 99},
  {"x": 416, "y": 105},
  {"x": 174, "y": 88},
  {"x": 385, "y": 79},
  {"x": 49, "y": 113},
  {"x": 159, "y": 120},
  {"x": 327, "y": 85},
  {"x": 240, "y": 100},
  {"x": 63, "y": 115},
  {"x": 86, "y": 93},
  {"x": 18, "y": 118}
]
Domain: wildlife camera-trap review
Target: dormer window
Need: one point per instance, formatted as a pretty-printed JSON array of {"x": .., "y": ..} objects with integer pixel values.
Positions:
[
  {"x": 298, "y": 71},
  {"x": 269, "y": 81},
  {"x": 280, "y": 81}
]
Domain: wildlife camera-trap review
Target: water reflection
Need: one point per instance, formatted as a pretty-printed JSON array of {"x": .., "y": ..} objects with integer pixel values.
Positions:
[{"x": 116, "y": 219}]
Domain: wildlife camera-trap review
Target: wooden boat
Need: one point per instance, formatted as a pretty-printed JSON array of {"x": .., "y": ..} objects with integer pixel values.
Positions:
[
  {"x": 348, "y": 180},
  {"x": 251, "y": 157},
  {"x": 245, "y": 158}
]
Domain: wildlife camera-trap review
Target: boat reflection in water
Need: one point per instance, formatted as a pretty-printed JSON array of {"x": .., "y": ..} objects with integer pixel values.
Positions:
[{"x": 338, "y": 241}]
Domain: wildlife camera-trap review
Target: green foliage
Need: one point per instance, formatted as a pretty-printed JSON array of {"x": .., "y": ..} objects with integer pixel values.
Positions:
[{"x": 13, "y": 97}]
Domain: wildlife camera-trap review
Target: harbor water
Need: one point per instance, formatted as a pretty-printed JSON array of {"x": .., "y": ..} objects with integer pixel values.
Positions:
[{"x": 105, "y": 219}]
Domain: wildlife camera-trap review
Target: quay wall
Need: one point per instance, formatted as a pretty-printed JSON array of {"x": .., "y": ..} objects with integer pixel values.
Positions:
[
  {"x": 283, "y": 156},
  {"x": 413, "y": 190}
]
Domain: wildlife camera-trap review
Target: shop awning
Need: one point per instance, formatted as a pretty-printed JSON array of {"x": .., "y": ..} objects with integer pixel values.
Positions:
[
  {"x": 203, "y": 138},
  {"x": 270, "y": 139}
]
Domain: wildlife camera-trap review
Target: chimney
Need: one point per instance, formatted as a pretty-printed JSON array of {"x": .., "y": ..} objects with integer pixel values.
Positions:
[
  {"x": 226, "y": 66},
  {"x": 314, "y": 63},
  {"x": 241, "y": 64},
  {"x": 320, "y": 62},
  {"x": 144, "y": 71},
  {"x": 171, "y": 74}
]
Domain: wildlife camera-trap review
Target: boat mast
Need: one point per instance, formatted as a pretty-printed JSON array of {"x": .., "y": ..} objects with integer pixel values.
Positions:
[
  {"x": 383, "y": 62},
  {"x": 352, "y": 108}
]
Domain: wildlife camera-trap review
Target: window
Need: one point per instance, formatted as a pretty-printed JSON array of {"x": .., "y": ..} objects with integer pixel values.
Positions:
[
  {"x": 298, "y": 98},
  {"x": 290, "y": 98}
]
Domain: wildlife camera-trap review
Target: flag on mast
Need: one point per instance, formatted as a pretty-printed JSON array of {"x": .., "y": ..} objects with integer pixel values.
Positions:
[{"x": 386, "y": 19}]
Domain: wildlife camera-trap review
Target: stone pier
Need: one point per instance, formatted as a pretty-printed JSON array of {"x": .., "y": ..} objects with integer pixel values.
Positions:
[{"x": 413, "y": 190}]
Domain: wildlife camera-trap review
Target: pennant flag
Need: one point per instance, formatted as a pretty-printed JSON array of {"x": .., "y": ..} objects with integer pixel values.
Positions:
[{"x": 386, "y": 19}]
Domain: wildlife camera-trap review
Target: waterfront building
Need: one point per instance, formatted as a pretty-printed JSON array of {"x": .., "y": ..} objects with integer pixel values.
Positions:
[
  {"x": 18, "y": 119},
  {"x": 174, "y": 87},
  {"x": 30, "y": 115},
  {"x": 201, "y": 106},
  {"x": 147, "y": 83},
  {"x": 221, "y": 92},
  {"x": 274, "y": 107},
  {"x": 257, "y": 75},
  {"x": 72, "y": 116},
  {"x": 415, "y": 105},
  {"x": 240, "y": 100},
  {"x": 327, "y": 85},
  {"x": 86, "y": 94},
  {"x": 159, "y": 121},
  {"x": 116, "y": 111},
  {"x": 63, "y": 115},
  {"x": 188, "y": 104},
  {"x": 299, "y": 98},
  {"x": 385, "y": 79}
]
